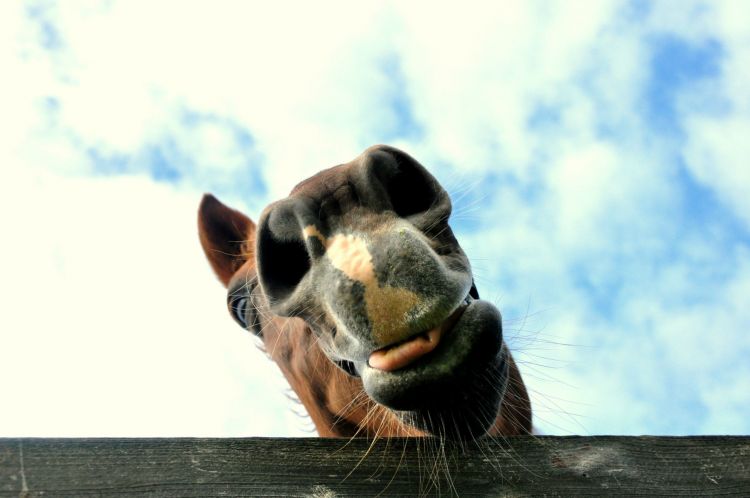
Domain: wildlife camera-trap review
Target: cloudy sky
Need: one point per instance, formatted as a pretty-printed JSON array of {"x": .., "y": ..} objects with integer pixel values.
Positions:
[{"x": 597, "y": 153}]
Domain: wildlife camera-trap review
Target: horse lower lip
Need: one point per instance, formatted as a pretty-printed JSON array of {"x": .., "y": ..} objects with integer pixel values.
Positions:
[
  {"x": 466, "y": 353},
  {"x": 400, "y": 355}
]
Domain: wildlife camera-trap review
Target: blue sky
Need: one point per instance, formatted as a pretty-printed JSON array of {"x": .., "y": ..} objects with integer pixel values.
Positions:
[{"x": 596, "y": 152}]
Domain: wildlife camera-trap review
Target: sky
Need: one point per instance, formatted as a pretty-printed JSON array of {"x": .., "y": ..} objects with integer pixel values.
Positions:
[{"x": 596, "y": 152}]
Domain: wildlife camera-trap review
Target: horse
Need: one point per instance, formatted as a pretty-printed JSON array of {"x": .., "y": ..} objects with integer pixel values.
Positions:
[{"x": 362, "y": 296}]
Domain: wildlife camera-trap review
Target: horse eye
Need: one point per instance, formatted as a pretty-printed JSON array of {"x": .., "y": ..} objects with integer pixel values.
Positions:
[
  {"x": 244, "y": 312},
  {"x": 239, "y": 310}
]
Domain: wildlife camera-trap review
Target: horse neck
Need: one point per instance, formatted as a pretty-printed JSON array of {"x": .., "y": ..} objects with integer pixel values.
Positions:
[{"x": 335, "y": 401}]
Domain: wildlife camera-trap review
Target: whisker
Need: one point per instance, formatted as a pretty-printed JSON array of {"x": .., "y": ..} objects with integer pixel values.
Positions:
[{"x": 312, "y": 313}]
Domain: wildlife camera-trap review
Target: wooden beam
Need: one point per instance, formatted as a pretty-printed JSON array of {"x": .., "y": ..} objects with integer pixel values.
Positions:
[{"x": 520, "y": 466}]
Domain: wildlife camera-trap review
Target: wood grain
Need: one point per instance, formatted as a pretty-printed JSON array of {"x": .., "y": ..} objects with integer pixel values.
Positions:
[{"x": 520, "y": 466}]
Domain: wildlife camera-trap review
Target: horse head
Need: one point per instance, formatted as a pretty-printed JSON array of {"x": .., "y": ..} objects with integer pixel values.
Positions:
[{"x": 362, "y": 295}]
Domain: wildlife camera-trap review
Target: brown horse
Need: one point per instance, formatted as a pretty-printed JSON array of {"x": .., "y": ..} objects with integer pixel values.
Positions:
[{"x": 364, "y": 299}]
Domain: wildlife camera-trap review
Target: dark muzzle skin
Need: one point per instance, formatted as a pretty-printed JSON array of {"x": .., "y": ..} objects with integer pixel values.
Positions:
[
  {"x": 456, "y": 389},
  {"x": 364, "y": 254}
]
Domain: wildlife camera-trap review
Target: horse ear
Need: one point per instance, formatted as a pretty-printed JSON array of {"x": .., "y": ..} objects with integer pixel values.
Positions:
[{"x": 227, "y": 237}]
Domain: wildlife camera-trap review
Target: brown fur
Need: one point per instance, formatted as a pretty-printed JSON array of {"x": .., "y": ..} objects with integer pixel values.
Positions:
[{"x": 335, "y": 401}]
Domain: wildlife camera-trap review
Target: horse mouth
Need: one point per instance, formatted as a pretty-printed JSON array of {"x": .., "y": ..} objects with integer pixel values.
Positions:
[
  {"x": 443, "y": 384},
  {"x": 404, "y": 353}
]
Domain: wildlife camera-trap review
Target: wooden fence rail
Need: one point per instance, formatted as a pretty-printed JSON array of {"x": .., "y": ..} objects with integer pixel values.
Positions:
[{"x": 520, "y": 466}]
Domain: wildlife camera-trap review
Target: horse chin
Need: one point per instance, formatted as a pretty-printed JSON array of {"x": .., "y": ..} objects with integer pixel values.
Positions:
[
  {"x": 456, "y": 390},
  {"x": 463, "y": 418}
]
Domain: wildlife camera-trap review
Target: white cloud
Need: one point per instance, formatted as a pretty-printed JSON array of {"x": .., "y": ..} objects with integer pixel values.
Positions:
[
  {"x": 297, "y": 84},
  {"x": 114, "y": 323},
  {"x": 717, "y": 113},
  {"x": 717, "y": 154},
  {"x": 549, "y": 98}
]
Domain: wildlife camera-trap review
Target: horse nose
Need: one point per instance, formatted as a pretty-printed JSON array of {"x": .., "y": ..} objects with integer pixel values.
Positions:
[{"x": 343, "y": 213}]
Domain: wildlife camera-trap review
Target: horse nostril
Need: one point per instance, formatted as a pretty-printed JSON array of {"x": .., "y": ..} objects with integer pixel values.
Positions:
[
  {"x": 282, "y": 256},
  {"x": 409, "y": 187}
]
